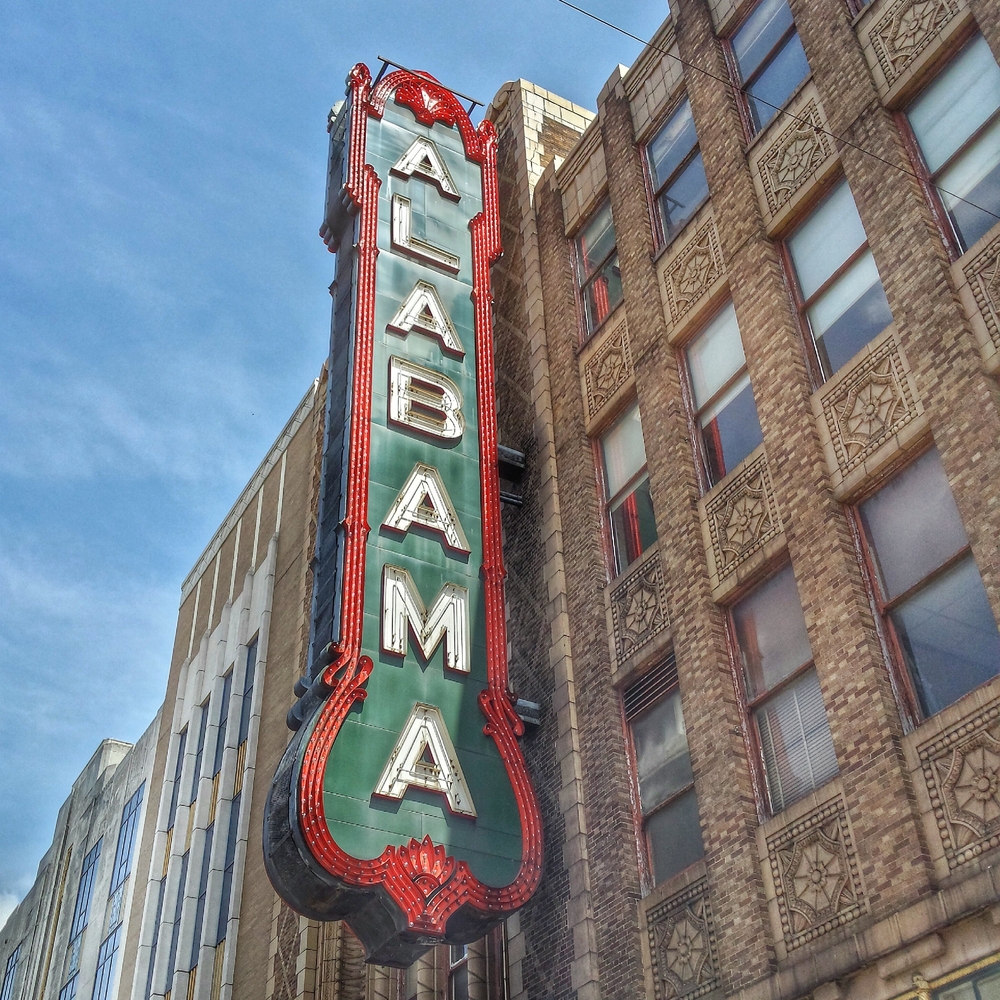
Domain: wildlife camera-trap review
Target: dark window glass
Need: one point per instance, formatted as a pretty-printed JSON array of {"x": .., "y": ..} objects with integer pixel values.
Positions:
[
  {"x": 126, "y": 839},
  {"x": 842, "y": 296},
  {"x": 956, "y": 121},
  {"x": 769, "y": 59},
  {"x": 789, "y": 717},
  {"x": 10, "y": 974},
  {"x": 630, "y": 509},
  {"x": 677, "y": 171},
  {"x": 178, "y": 770},
  {"x": 81, "y": 911},
  {"x": 246, "y": 704},
  {"x": 458, "y": 972},
  {"x": 929, "y": 587},
  {"x": 230, "y": 864},
  {"x": 200, "y": 753},
  {"x": 68, "y": 992},
  {"x": 176, "y": 929},
  {"x": 220, "y": 734},
  {"x": 156, "y": 937},
  {"x": 199, "y": 913},
  {"x": 106, "y": 965},
  {"x": 663, "y": 772},
  {"x": 723, "y": 399},
  {"x": 984, "y": 985},
  {"x": 598, "y": 273}
]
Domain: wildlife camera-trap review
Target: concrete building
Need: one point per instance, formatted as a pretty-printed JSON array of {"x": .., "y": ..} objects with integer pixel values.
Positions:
[{"x": 65, "y": 937}]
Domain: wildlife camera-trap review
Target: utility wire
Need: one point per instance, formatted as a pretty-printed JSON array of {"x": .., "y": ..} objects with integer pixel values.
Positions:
[{"x": 780, "y": 111}]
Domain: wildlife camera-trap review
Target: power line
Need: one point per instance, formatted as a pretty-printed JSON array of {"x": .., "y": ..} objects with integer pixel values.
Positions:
[{"x": 774, "y": 107}]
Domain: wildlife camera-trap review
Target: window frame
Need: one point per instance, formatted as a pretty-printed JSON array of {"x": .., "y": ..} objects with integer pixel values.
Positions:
[
  {"x": 741, "y": 86},
  {"x": 611, "y": 556},
  {"x": 748, "y": 706},
  {"x": 641, "y": 816},
  {"x": 693, "y": 411},
  {"x": 942, "y": 220},
  {"x": 907, "y": 699},
  {"x": 582, "y": 282},
  {"x": 817, "y": 374},
  {"x": 660, "y": 238}
]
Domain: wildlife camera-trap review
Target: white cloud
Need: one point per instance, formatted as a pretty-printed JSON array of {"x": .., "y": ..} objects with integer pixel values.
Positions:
[{"x": 8, "y": 901}]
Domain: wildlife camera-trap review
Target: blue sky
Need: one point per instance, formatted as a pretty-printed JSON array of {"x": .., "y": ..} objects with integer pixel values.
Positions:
[{"x": 163, "y": 307}]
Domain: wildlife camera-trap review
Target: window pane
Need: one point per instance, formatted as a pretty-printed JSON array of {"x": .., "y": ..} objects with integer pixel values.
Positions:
[
  {"x": 674, "y": 836},
  {"x": 963, "y": 992},
  {"x": 771, "y": 631},
  {"x": 913, "y": 524},
  {"x": 759, "y": 34},
  {"x": 771, "y": 90},
  {"x": 596, "y": 241},
  {"x": 633, "y": 526},
  {"x": 989, "y": 987},
  {"x": 715, "y": 356},
  {"x": 603, "y": 294},
  {"x": 795, "y": 741},
  {"x": 661, "y": 752},
  {"x": 680, "y": 201},
  {"x": 624, "y": 454},
  {"x": 673, "y": 142},
  {"x": 957, "y": 103},
  {"x": 975, "y": 176},
  {"x": 851, "y": 312},
  {"x": 949, "y": 636},
  {"x": 730, "y": 430},
  {"x": 826, "y": 239}
]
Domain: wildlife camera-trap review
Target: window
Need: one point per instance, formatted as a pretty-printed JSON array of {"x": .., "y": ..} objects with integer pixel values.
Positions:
[
  {"x": 769, "y": 61},
  {"x": 81, "y": 911},
  {"x": 984, "y": 985},
  {"x": 199, "y": 755},
  {"x": 928, "y": 589},
  {"x": 598, "y": 275},
  {"x": 10, "y": 974},
  {"x": 458, "y": 972},
  {"x": 178, "y": 769},
  {"x": 106, "y": 965},
  {"x": 678, "y": 175},
  {"x": 840, "y": 292},
  {"x": 725, "y": 410},
  {"x": 126, "y": 839},
  {"x": 782, "y": 691},
  {"x": 68, "y": 992},
  {"x": 626, "y": 491},
  {"x": 246, "y": 707},
  {"x": 227, "y": 874},
  {"x": 176, "y": 929},
  {"x": 199, "y": 913},
  {"x": 662, "y": 768},
  {"x": 220, "y": 735},
  {"x": 956, "y": 122}
]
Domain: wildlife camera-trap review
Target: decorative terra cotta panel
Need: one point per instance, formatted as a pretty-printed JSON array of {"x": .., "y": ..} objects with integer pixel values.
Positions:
[
  {"x": 866, "y": 406},
  {"x": 794, "y": 156},
  {"x": 961, "y": 769},
  {"x": 607, "y": 369},
  {"x": 639, "y": 607},
  {"x": 906, "y": 28},
  {"x": 982, "y": 274},
  {"x": 682, "y": 945},
  {"x": 815, "y": 871},
  {"x": 740, "y": 517},
  {"x": 693, "y": 268}
]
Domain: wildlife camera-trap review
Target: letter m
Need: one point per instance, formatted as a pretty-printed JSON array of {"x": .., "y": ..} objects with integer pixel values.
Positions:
[{"x": 447, "y": 619}]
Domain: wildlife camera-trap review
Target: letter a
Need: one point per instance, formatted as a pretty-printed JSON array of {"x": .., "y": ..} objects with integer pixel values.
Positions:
[
  {"x": 425, "y": 757},
  {"x": 423, "y": 159},
  {"x": 424, "y": 312},
  {"x": 447, "y": 620},
  {"x": 424, "y": 500}
]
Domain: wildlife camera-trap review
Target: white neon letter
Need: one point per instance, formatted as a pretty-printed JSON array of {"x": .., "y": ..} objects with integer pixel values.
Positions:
[
  {"x": 423, "y": 159},
  {"x": 403, "y": 238},
  {"x": 424, "y": 312},
  {"x": 424, "y": 500},
  {"x": 447, "y": 619},
  {"x": 424, "y": 400}
]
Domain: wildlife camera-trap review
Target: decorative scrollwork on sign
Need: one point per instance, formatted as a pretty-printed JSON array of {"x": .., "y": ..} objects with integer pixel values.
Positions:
[
  {"x": 961, "y": 768},
  {"x": 682, "y": 945},
  {"x": 814, "y": 867},
  {"x": 742, "y": 517},
  {"x": 868, "y": 405},
  {"x": 697, "y": 266},
  {"x": 905, "y": 29},
  {"x": 608, "y": 369},
  {"x": 639, "y": 607},
  {"x": 983, "y": 276},
  {"x": 794, "y": 156}
]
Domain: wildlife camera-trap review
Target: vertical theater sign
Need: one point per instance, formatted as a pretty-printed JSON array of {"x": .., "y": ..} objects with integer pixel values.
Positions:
[{"x": 402, "y": 805}]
